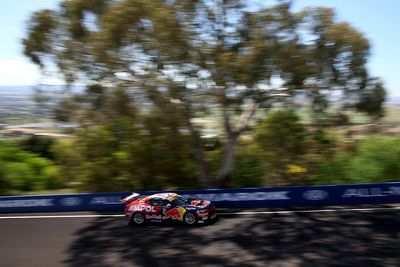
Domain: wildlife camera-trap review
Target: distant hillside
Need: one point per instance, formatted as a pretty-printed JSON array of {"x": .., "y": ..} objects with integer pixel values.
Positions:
[
  {"x": 29, "y": 90},
  {"x": 17, "y": 104},
  {"x": 16, "y": 90}
]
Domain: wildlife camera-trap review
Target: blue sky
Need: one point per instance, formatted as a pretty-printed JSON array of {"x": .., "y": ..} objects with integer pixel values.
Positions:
[{"x": 377, "y": 19}]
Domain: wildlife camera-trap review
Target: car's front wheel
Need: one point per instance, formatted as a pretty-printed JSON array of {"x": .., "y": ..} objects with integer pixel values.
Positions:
[
  {"x": 137, "y": 219},
  {"x": 190, "y": 218}
]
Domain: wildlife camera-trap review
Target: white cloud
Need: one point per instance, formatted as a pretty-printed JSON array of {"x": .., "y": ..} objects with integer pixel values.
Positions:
[{"x": 20, "y": 72}]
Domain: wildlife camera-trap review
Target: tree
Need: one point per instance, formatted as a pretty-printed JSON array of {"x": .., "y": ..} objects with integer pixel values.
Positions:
[
  {"x": 371, "y": 100},
  {"x": 375, "y": 159},
  {"x": 4, "y": 184},
  {"x": 99, "y": 157},
  {"x": 38, "y": 144},
  {"x": 199, "y": 55},
  {"x": 282, "y": 138},
  {"x": 248, "y": 170},
  {"x": 26, "y": 171},
  {"x": 116, "y": 149}
]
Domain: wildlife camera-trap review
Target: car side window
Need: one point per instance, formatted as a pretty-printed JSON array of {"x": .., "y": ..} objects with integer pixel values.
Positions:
[
  {"x": 165, "y": 202},
  {"x": 157, "y": 202}
]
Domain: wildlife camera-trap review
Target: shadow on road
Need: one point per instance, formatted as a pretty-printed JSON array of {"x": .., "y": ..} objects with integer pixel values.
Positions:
[{"x": 302, "y": 239}]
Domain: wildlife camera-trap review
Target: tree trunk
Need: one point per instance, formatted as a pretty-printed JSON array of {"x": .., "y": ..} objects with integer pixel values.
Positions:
[
  {"x": 199, "y": 157},
  {"x": 197, "y": 146},
  {"x": 228, "y": 160},
  {"x": 230, "y": 146},
  {"x": 201, "y": 164}
]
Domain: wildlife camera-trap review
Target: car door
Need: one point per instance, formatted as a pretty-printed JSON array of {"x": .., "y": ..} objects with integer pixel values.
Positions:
[{"x": 156, "y": 210}]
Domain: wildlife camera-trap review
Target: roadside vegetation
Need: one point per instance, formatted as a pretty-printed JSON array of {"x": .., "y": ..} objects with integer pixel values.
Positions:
[
  {"x": 200, "y": 94},
  {"x": 23, "y": 171},
  {"x": 280, "y": 151}
]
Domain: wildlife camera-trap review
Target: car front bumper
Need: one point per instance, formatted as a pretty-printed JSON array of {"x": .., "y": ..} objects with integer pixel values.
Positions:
[{"x": 206, "y": 217}]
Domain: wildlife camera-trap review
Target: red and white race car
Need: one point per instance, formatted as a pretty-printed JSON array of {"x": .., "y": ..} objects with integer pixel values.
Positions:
[{"x": 164, "y": 207}]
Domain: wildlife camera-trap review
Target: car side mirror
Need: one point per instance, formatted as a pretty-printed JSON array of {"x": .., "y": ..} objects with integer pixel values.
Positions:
[{"x": 168, "y": 206}]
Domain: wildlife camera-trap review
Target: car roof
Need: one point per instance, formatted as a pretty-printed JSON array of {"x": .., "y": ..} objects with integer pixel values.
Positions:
[{"x": 167, "y": 196}]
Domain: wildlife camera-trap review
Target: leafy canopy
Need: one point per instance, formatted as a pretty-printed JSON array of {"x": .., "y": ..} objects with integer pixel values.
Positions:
[
  {"x": 189, "y": 58},
  {"x": 225, "y": 49}
]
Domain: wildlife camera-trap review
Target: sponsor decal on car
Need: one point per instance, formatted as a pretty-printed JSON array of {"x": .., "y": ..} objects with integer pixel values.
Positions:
[
  {"x": 202, "y": 214},
  {"x": 168, "y": 196},
  {"x": 174, "y": 213},
  {"x": 142, "y": 208},
  {"x": 204, "y": 203},
  {"x": 153, "y": 217}
]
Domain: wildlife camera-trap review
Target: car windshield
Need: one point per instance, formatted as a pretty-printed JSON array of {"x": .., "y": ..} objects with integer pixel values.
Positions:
[{"x": 180, "y": 201}]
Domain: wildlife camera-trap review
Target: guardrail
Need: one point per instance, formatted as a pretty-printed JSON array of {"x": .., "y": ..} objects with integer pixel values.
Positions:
[{"x": 382, "y": 193}]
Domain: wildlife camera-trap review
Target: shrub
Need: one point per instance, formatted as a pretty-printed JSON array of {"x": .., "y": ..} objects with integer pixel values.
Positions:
[
  {"x": 248, "y": 170},
  {"x": 25, "y": 171},
  {"x": 376, "y": 159}
]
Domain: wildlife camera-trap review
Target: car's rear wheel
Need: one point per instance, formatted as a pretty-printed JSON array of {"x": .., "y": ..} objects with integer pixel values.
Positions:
[
  {"x": 137, "y": 219},
  {"x": 190, "y": 218}
]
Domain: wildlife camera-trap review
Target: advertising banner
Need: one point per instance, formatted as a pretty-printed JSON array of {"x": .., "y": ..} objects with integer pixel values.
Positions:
[{"x": 383, "y": 193}]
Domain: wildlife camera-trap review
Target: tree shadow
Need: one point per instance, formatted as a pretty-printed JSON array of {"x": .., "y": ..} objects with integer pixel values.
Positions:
[{"x": 300, "y": 239}]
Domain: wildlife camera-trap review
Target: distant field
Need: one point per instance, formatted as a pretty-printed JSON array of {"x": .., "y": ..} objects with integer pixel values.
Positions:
[
  {"x": 17, "y": 106},
  {"x": 392, "y": 114}
]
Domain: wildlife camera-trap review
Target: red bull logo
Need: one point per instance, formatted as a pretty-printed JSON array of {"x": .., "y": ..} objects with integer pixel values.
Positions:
[{"x": 174, "y": 213}]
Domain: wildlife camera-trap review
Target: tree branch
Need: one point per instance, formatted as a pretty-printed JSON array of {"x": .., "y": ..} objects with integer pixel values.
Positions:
[
  {"x": 227, "y": 121},
  {"x": 246, "y": 116}
]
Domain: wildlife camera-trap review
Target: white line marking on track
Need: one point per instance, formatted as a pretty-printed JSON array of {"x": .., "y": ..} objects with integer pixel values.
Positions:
[
  {"x": 221, "y": 213},
  {"x": 307, "y": 211},
  {"x": 61, "y": 216}
]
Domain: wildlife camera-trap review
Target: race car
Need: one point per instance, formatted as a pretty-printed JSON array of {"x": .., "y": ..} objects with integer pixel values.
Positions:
[{"x": 167, "y": 207}]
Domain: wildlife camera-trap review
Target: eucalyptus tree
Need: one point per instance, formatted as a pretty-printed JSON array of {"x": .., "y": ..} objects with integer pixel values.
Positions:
[{"x": 201, "y": 55}]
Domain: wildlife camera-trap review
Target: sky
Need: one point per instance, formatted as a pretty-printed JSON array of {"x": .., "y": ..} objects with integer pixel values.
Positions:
[{"x": 378, "y": 20}]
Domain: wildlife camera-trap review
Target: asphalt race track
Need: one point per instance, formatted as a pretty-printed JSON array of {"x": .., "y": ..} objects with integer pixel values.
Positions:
[{"x": 330, "y": 237}]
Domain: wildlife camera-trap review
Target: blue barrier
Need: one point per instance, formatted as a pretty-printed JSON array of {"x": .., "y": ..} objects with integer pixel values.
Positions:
[{"x": 382, "y": 193}]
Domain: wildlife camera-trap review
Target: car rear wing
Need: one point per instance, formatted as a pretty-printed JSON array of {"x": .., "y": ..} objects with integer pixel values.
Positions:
[{"x": 129, "y": 198}]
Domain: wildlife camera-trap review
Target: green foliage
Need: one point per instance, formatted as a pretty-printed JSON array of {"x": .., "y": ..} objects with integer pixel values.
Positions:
[
  {"x": 282, "y": 138},
  {"x": 322, "y": 143},
  {"x": 165, "y": 152},
  {"x": 248, "y": 170},
  {"x": 181, "y": 58},
  {"x": 377, "y": 159},
  {"x": 332, "y": 171},
  {"x": 119, "y": 157},
  {"x": 371, "y": 100},
  {"x": 68, "y": 158},
  {"x": 96, "y": 160},
  {"x": 38, "y": 144},
  {"x": 283, "y": 134},
  {"x": 24, "y": 171},
  {"x": 41, "y": 29},
  {"x": 4, "y": 182}
]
